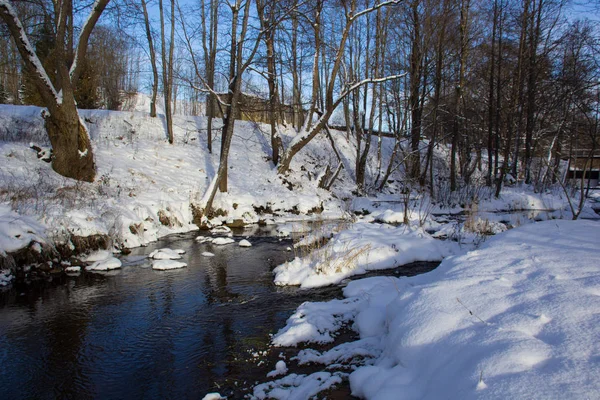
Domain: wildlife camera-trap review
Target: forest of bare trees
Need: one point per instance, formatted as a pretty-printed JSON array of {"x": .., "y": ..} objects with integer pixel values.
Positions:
[{"x": 472, "y": 92}]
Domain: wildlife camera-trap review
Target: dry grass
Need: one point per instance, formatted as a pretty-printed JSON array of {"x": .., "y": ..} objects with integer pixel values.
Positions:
[
  {"x": 319, "y": 234},
  {"x": 330, "y": 261},
  {"x": 318, "y": 248},
  {"x": 29, "y": 196}
]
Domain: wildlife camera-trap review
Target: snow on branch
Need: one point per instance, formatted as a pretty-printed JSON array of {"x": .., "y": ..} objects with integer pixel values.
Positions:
[
  {"x": 306, "y": 135},
  {"x": 374, "y": 8},
  {"x": 207, "y": 89}
]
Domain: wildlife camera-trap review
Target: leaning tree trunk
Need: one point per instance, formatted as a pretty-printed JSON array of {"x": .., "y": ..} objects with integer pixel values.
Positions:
[
  {"x": 73, "y": 156},
  {"x": 71, "y": 147}
]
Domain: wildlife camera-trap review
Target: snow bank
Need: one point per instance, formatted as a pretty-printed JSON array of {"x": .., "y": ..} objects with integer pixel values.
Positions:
[
  {"x": 523, "y": 198},
  {"x": 345, "y": 354},
  {"x": 517, "y": 318},
  {"x": 18, "y": 231},
  {"x": 316, "y": 322},
  {"x": 361, "y": 248}
]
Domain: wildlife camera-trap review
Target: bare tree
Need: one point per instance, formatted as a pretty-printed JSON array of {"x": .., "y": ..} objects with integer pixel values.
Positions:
[
  {"x": 266, "y": 13},
  {"x": 167, "y": 66},
  {"x": 152, "y": 52},
  {"x": 416, "y": 76},
  {"x": 491, "y": 97},
  {"x": 311, "y": 128},
  {"x": 459, "y": 88},
  {"x": 516, "y": 97},
  {"x": 237, "y": 66},
  {"x": 209, "y": 46}
]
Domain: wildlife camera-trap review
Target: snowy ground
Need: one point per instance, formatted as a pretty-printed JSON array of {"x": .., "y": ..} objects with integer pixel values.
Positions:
[
  {"x": 517, "y": 318},
  {"x": 144, "y": 186},
  {"x": 514, "y": 318},
  {"x": 360, "y": 248},
  {"x": 381, "y": 240}
]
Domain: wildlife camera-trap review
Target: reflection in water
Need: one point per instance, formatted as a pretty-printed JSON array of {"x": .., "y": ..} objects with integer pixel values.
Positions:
[
  {"x": 145, "y": 333},
  {"x": 141, "y": 333}
]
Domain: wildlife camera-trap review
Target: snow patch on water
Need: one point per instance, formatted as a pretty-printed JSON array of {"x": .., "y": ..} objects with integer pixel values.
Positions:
[{"x": 163, "y": 265}]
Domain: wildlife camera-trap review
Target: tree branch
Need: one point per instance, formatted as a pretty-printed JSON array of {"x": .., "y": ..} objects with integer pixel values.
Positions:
[
  {"x": 374, "y": 8},
  {"x": 82, "y": 44},
  {"x": 356, "y": 85}
]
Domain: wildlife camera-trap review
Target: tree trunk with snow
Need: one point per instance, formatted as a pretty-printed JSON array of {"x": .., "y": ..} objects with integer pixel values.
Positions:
[
  {"x": 457, "y": 125},
  {"x": 237, "y": 66},
  {"x": 71, "y": 148},
  {"x": 209, "y": 46},
  {"x": 72, "y": 151},
  {"x": 515, "y": 97},
  {"x": 491, "y": 105}
]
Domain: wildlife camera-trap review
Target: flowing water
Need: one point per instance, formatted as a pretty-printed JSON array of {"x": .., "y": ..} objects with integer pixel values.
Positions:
[{"x": 140, "y": 333}]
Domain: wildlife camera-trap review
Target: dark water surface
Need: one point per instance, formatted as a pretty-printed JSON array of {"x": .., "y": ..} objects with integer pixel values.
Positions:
[{"x": 138, "y": 333}]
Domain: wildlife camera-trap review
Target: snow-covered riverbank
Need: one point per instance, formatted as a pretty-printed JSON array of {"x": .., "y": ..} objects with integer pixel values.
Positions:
[
  {"x": 360, "y": 248},
  {"x": 145, "y": 188},
  {"x": 516, "y": 318}
]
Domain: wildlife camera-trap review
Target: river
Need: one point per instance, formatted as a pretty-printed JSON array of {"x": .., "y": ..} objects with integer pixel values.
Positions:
[{"x": 141, "y": 333}]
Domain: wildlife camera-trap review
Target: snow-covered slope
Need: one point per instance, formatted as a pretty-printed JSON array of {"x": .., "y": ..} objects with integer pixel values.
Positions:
[
  {"x": 360, "y": 248},
  {"x": 145, "y": 187}
]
